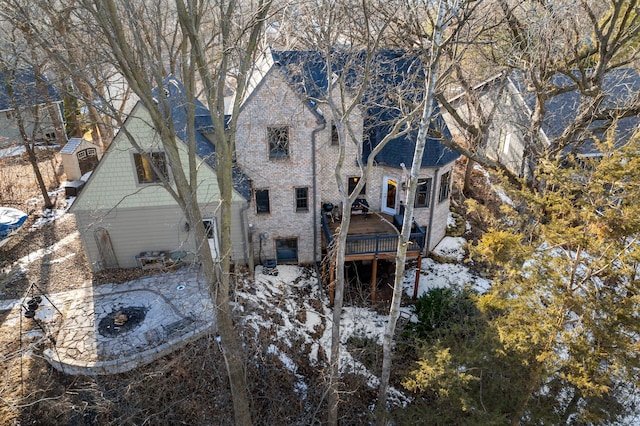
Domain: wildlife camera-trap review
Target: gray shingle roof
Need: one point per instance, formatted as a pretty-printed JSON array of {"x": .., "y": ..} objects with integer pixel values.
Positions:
[
  {"x": 176, "y": 100},
  {"x": 397, "y": 75},
  {"x": 25, "y": 90},
  {"x": 71, "y": 145},
  {"x": 621, "y": 88}
]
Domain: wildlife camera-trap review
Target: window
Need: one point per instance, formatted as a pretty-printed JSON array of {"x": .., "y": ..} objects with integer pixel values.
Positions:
[
  {"x": 423, "y": 193},
  {"x": 211, "y": 231},
  {"x": 51, "y": 136},
  {"x": 507, "y": 144},
  {"x": 144, "y": 169},
  {"x": 302, "y": 199},
  {"x": 444, "y": 187},
  {"x": 335, "y": 138},
  {"x": 278, "y": 142},
  {"x": 287, "y": 250},
  {"x": 262, "y": 201},
  {"x": 353, "y": 181},
  {"x": 210, "y": 228}
]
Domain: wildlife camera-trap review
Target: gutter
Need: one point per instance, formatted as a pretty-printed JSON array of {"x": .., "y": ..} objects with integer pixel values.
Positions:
[
  {"x": 322, "y": 124},
  {"x": 433, "y": 207}
]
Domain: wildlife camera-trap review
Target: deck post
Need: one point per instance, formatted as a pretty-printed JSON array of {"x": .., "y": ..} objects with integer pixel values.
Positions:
[
  {"x": 374, "y": 278},
  {"x": 417, "y": 281}
]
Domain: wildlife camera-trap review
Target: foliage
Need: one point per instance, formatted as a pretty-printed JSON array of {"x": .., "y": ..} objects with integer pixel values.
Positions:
[
  {"x": 442, "y": 311},
  {"x": 566, "y": 300},
  {"x": 462, "y": 375},
  {"x": 556, "y": 339}
]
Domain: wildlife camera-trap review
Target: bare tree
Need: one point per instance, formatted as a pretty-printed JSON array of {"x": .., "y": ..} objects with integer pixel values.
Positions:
[
  {"x": 25, "y": 86},
  {"x": 240, "y": 28},
  {"x": 345, "y": 39},
  {"x": 445, "y": 23},
  {"x": 555, "y": 47},
  {"x": 203, "y": 43}
]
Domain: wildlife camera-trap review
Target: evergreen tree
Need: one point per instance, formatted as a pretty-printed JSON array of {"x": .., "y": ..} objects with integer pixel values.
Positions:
[
  {"x": 555, "y": 340},
  {"x": 566, "y": 299}
]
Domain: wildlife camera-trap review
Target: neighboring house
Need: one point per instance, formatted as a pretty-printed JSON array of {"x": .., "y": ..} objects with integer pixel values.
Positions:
[
  {"x": 123, "y": 211},
  {"x": 506, "y": 142},
  {"x": 287, "y": 145},
  {"x": 39, "y": 111},
  {"x": 79, "y": 156}
]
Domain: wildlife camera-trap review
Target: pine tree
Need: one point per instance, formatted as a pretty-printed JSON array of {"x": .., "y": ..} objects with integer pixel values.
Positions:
[{"x": 566, "y": 299}]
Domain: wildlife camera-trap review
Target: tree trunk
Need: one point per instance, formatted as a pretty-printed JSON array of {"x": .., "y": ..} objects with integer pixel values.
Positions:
[
  {"x": 338, "y": 300},
  {"x": 29, "y": 148},
  {"x": 403, "y": 239},
  {"x": 233, "y": 352},
  {"x": 468, "y": 171},
  {"x": 36, "y": 169}
]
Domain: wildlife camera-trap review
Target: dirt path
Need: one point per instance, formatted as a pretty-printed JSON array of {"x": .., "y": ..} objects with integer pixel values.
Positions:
[{"x": 51, "y": 257}]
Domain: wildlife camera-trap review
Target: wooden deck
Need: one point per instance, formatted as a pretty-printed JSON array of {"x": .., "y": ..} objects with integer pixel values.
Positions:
[
  {"x": 369, "y": 224},
  {"x": 371, "y": 236}
]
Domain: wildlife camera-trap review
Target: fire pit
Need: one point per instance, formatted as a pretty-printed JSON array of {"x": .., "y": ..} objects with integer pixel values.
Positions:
[{"x": 121, "y": 321}]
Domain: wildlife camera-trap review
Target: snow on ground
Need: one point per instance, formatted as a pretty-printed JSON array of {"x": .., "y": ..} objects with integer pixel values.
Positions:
[
  {"x": 293, "y": 309},
  {"x": 498, "y": 190},
  {"x": 16, "y": 150},
  {"x": 439, "y": 275},
  {"x": 451, "y": 248}
]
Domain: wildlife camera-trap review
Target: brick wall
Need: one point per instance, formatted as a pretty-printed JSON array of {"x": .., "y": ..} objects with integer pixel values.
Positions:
[{"x": 275, "y": 104}]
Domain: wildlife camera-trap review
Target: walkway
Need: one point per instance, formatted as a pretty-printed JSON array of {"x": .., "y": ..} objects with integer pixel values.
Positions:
[{"x": 115, "y": 328}]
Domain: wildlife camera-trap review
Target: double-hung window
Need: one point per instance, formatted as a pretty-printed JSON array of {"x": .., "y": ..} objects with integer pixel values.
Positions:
[
  {"x": 445, "y": 185},
  {"x": 262, "y": 201},
  {"x": 351, "y": 185},
  {"x": 302, "y": 199},
  {"x": 423, "y": 193}
]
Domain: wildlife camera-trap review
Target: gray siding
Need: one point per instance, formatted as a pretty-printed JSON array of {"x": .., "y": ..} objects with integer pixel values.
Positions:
[{"x": 134, "y": 230}]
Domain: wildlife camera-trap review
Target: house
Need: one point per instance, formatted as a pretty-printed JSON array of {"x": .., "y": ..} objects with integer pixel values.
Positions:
[
  {"x": 127, "y": 219},
  {"x": 506, "y": 142},
  {"x": 40, "y": 110},
  {"x": 287, "y": 146}
]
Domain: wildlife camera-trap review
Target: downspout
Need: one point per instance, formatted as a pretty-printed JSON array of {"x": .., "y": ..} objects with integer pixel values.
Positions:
[
  {"x": 246, "y": 237},
  {"x": 322, "y": 125},
  {"x": 433, "y": 207}
]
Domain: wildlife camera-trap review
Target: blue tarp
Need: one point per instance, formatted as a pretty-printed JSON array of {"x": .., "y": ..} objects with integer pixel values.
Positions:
[{"x": 10, "y": 221}]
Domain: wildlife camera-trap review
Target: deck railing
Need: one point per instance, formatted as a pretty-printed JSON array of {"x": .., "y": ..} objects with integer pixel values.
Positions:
[{"x": 378, "y": 243}]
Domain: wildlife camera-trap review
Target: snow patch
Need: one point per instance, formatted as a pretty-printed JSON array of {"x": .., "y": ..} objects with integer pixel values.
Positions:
[{"x": 451, "y": 248}]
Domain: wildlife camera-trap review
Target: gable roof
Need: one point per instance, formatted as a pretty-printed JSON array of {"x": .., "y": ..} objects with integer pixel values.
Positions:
[
  {"x": 25, "y": 90},
  {"x": 397, "y": 75},
  {"x": 621, "y": 87},
  {"x": 177, "y": 104},
  {"x": 72, "y": 144}
]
